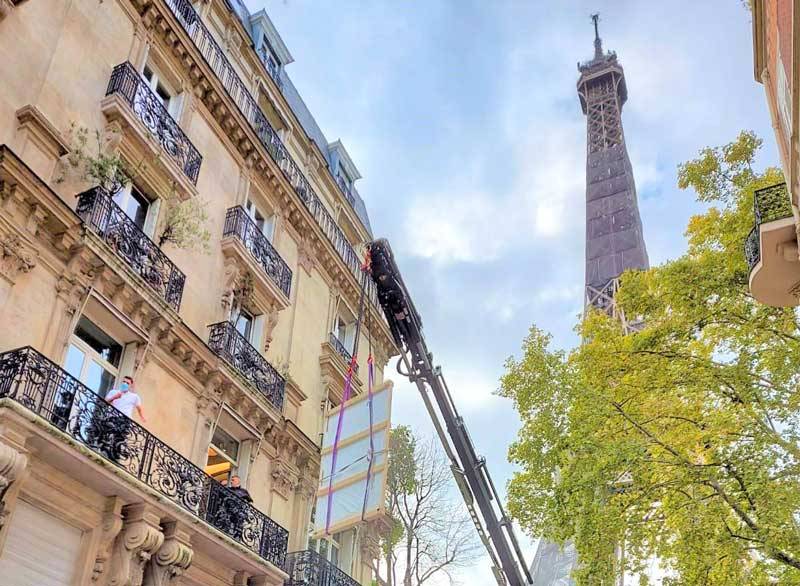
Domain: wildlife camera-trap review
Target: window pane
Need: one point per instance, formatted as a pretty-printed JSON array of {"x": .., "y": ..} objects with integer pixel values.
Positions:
[
  {"x": 99, "y": 341},
  {"x": 323, "y": 548},
  {"x": 226, "y": 442},
  {"x": 74, "y": 362},
  {"x": 244, "y": 323},
  {"x": 334, "y": 555},
  {"x": 98, "y": 379}
]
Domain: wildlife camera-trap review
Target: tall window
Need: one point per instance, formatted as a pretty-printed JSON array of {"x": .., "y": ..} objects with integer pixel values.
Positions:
[
  {"x": 223, "y": 455},
  {"x": 167, "y": 95},
  {"x": 93, "y": 357},
  {"x": 244, "y": 324},
  {"x": 328, "y": 547},
  {"x": 344, "y": 328},
  {"x": 270, "y": 59},
  {"x": 265, "y": 222},
  {"x": 134, "y": 203},
  {"x": 344, "y": 179}
]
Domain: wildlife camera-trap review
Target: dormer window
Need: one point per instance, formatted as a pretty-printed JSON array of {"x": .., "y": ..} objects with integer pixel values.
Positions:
[
  {"x": 345, "y": 181},
  {"x": 270, "y": 58}
]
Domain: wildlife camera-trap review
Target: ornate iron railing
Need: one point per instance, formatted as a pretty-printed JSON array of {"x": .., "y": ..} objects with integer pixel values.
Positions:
[
  {"x": 239, "y": 224},
  {"x": 338, "y": 345},
  {"x": 148, "y": 107},
  {"x": 227, "y": 343},
  {"x": 215, "y": 57},
  {"x": 308, "y": 568},
  {"x": 107, "y": 220},
  {"x": 769, "y": 204},
  {"x": 33, "y": 381}
]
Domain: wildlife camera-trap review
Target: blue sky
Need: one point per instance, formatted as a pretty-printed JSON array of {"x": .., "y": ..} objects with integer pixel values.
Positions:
[{"x": 463, "y": 119}]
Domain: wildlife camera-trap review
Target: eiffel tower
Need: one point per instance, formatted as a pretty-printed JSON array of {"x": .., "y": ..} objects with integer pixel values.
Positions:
[{"x": 614, "y": 238}]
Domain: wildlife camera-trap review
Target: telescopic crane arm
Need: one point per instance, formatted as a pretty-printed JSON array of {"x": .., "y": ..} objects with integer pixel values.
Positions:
[{"x": 470, "y": 472}]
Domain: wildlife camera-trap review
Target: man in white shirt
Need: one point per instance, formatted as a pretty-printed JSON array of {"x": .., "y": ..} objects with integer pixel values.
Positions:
[
  {"x": 125, "y": 399},
  {"x": 117, "y": 424}
]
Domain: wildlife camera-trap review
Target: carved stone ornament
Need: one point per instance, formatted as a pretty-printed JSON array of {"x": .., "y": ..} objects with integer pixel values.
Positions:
[
  {"x": 112, "y": 524},
  {"x": 141, "y": 536},
  {"x": 171, "y": 560},
  {"x": 270, "y": 321},
  {"x": 12, "y": 466},
  {"x": 284, "y": 478},
  {"x": 306, "y": 258},
  {"x": 15, "y": 257}
]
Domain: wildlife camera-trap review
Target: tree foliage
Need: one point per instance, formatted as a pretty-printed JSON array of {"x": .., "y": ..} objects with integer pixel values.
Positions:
[{"x": 679, "y": 441}]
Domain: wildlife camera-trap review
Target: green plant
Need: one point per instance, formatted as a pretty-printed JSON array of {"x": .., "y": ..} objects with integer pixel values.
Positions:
[
  {"x": 94, "y": 163},
  {"x": 185, "y": 224}
]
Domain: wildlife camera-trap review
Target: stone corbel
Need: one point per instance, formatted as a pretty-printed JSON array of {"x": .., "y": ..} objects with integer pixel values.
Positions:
[
  {"x": 172, "y": 558},
  {"x": 306, "y": 257},
  {"x": 12, "y": 467},
  {"x": 270, "y": 321},
  {"x": 140, "y": 537},
  {"x": 15, "y": 257},
  {"x": 112, "y": 524}
]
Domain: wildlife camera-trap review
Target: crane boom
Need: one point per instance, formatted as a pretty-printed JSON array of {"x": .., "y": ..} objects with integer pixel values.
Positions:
[{"x": 469, "y": 470}]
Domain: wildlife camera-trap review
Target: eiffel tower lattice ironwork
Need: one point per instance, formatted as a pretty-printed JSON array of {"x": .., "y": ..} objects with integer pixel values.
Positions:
[{"x": 614, "y": 238}]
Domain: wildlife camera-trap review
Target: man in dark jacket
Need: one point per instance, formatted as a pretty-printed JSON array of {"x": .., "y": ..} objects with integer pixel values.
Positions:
[{"x": 236, "y": 488}]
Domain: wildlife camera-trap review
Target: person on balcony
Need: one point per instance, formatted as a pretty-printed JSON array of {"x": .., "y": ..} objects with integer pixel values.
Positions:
[
  {"x": 124, "y": 399},
  {"x": 239, "y": 490}
]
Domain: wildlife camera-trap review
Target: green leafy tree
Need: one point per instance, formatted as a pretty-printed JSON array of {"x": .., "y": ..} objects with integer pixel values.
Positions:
[{"x": 680, "y": 441}]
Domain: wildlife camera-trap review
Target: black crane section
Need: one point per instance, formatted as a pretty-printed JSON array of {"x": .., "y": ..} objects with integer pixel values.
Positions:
[{"x": 469, "y": 470}]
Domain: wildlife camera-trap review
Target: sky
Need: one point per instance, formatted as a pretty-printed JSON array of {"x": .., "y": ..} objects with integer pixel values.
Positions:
[{"x": 463, "y": 119}]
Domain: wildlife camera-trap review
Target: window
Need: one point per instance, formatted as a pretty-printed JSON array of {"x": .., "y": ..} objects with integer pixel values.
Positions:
[
  {"x": 270, "y": 59},
  {"x": 344, "y": 179},
  {"x": 167, "y": 96},
  {"x": 265, "y": 222},
  {"x": 223, "y": 455},
  {"x": 244, "y": 324},
  {"x": 93, "y": 357},
  {"x": 344, "y": 328},
  {"x": 328, "y": 547},
  {"x": 134, "y": 203}
]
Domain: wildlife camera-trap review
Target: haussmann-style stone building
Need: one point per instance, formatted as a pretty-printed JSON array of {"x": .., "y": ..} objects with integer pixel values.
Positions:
[{"x": 236, "y": 351}]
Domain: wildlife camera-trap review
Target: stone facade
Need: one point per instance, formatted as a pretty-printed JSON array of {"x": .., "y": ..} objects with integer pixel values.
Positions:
[{"x": 231, "y": 140}]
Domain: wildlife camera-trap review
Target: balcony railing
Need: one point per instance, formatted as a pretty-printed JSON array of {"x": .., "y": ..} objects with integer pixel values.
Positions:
[
  {"x": 769, "y": 204},
  {"x": 239, "y": 224},
  {"x": 236, "y": 89},
  {"x": 148, "y": 107},
  {"x": 33, "y": 381},
  {"x": 227, "y": 343},
  {"x": 308, "y": 568},
  {"x": 107, "y": 220}
]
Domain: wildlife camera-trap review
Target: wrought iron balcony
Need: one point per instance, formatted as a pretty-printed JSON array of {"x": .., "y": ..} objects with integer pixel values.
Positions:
[
  {"x": 107, "y": 220},
  {"x": 769, "y": 204},
  {"x": 147, "y": 105},
  {"x": 227, "y": 343},
  {"x": 308, "y": 568},
  {"x": 238, "y": 92},
  {"x": 30, "y": 379},
  {"x": 239, "y": 224}
]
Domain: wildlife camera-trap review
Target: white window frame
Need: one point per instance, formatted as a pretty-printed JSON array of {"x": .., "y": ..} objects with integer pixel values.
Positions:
[
  {"x": 267, "y": 227},
  {"x": 346, "y": 332},
  {"x": 90, "y": 354},
  {"x": 153, "y": 206},
  {"x": 156, "y": 79},
  {"x": 234, "y": 470}
]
